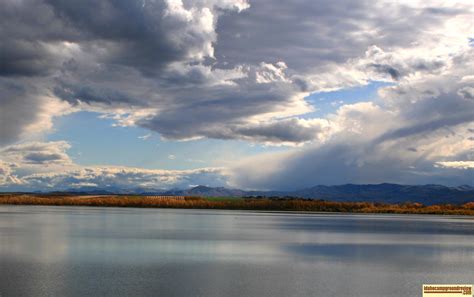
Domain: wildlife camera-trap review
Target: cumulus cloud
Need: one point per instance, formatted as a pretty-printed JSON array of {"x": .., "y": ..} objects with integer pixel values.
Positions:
[
  {"x": 283, "y": 132},
  {"x": 315, "y": 34},
  {"x": 233, "y": 70},
  {"x": 59, "y": 46},
  {"x": 467, "y": 92},
  {"x": 155, "y": 63},
  {"x": 118, "y": 178},
  {"x": 111, "y": 177},
  {"x": 27, "y": 109},
  {"x": 38, "y": 153},
  {"x": 7, "y": 177},
  {"x": 415, "y": 133},
  {"x": 46, "y": 166}
]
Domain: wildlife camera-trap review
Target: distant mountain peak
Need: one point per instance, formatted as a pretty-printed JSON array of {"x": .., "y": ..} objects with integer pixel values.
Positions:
[{"x": 384, "y": 192}]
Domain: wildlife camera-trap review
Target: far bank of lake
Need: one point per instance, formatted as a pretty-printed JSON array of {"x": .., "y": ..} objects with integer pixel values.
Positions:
[{"x": 263, "y": 204}]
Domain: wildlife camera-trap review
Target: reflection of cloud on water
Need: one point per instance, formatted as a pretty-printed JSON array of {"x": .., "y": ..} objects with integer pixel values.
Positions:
[
  {"x": 380, "y": 224},
  {"x": 139, "y": 252},
  {"x": 36, "y": 236},
  {"x": 401, "y": 254}
]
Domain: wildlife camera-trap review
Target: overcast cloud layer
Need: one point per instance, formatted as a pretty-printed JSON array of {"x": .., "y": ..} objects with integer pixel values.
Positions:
[{"x": 241, "y": 70}]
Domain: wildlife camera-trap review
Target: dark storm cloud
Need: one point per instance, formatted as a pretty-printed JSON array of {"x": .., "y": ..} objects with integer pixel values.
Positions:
[
  {"x": 208, "y": 115},
  {"x": 330, "y": 164},
  {"x": 159, "y": 55},
  {"x": 18, "y": 108},
  {"x": 27, "y": 28},
  {"x": 130, "y": 34},
  {"x": 383, "y": 68},
  {"x": 59, "y": 44},
  {"x": 335, "y": 164},
  {"x": 286, "y": 130},
  {"x": 424, "y": 123},
  {"x": 301, "y": 33},
  {"x": 439, "y": 110},
  {"x": 22, "y": 58},
  {"x": 430, "y": 126},
  {"x": 309, "y": 34},
  {"x": 74, "y": 94},
  {"x": 124, "y": 31}
]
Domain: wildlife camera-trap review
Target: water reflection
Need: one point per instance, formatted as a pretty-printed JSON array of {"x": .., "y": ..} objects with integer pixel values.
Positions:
[{"x": 63, "y": 251}]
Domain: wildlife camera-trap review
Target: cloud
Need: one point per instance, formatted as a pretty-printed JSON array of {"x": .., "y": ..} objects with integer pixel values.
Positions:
[
  {"x": 58, "y": 47},
  {"x": 6, "y": 174},
  {"x": 224, "y": 108},
  {"x": 457, "y": 164},
  {"x": 145, "y": 137},
  {"x": 282, "y": 132},
  {"x": 310, "y": 35},
  {"x": 118, "y": 178},
  {"x": 47, "y": 166},
  {"x": 26, "y": 59},
  {"x": 38, "y": 153},
  {"x": 215, "y": 64},
  {"x": 368, "y": 141},
  {"x": 467, "y": 92},
  {"x": 235, "y": 70},
  {"x": 148, "y": 35},
  {"x": 26, "y": 109}
]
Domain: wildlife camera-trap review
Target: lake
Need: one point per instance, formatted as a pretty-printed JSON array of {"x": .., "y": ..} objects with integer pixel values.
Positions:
[{"x": 93, "y": 251}]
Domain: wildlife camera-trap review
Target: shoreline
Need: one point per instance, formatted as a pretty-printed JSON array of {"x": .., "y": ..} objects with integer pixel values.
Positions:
[
  {"x": 270, "y": 212},
  {"x": 250, "y": 204}
]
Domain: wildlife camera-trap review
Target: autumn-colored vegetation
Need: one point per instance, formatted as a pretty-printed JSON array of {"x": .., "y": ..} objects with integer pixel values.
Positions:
[{"x": 242, "y": 204}]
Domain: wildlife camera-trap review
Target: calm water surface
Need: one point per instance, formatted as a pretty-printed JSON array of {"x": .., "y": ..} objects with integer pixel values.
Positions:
[{"x": 80, "y": 251}]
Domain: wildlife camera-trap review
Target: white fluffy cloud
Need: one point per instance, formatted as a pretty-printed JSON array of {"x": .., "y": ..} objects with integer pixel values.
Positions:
[
  {"x": 120, "y": 178},
  {"x": 38, "y": 153},
  {"x": 7, "y": 178},
  {"x": 46, "y": 166}
]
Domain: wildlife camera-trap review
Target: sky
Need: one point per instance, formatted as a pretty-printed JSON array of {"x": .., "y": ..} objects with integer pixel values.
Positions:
[{"x": 264, "y": 95}]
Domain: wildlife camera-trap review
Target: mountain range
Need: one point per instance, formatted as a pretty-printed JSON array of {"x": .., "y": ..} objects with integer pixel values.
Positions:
[{"x": 386, "y": 193}]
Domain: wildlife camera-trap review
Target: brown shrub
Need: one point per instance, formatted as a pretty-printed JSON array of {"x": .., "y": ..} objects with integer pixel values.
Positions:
[{"x": 242, "y": 204}]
